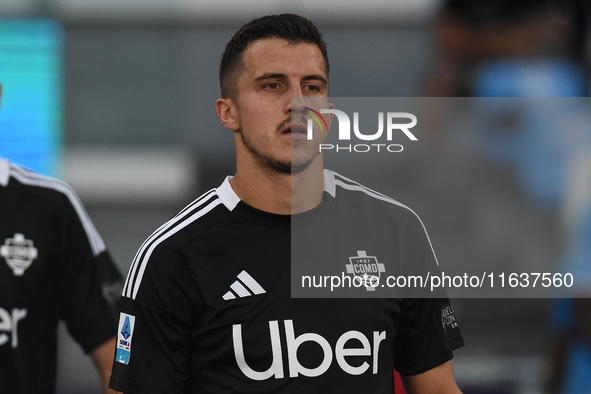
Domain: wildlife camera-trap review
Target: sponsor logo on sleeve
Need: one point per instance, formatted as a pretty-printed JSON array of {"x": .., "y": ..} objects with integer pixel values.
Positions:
[
  {"x": 124, "y": 337},
  {"x": 448, "y": 318}
]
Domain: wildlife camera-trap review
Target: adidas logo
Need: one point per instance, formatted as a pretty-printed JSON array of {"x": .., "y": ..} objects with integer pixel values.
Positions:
[{"x": 243, "y": 287}]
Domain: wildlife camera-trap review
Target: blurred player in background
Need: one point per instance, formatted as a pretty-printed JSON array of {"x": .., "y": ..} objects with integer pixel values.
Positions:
[
  {"x": 473, "y": 33},
  {"x": 53, "y": 266},
  {"x": 207, "y": 306}
]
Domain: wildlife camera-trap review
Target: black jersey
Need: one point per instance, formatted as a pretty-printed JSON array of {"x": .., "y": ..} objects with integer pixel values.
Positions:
[
  {"x": 53, "y": 266},
  {"x": 207, "y": 307}
]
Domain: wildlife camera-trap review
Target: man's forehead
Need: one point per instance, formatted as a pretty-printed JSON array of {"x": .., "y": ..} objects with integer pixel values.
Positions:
[
  {"x": 275, "y": 42},
  {"x": 264, "y": 51},
  {"x": 274, "y": 55}
]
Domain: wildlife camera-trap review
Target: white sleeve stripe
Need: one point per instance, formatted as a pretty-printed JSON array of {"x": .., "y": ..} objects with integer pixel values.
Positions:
[
  {"x": 33, "y": 179},
  {"x": 198, "y": 201},
  {"x": 350, "y": 182},
  {"x": 159, "y": 232},
  {"x": 376, "y": 195},
  {"x": 144, "y": 260}
]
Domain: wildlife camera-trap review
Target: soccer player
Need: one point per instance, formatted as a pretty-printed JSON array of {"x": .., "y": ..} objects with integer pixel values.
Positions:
[
  {"x": 207, "y": 306},
  {"x": 53, "y": 266}
]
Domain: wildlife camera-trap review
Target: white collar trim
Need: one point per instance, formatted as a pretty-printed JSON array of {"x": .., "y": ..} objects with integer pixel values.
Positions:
[
  {"x": 329, "y": 183},
  {"x": 230, "y": 199},
  {"x": 4, "y": 172},
  {"x": 228, "y": 196}
]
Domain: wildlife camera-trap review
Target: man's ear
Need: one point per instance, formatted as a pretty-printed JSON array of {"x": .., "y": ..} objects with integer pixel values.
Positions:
[
  {"x": 228, "y": 113},
  {"x": 331, "y": 106}
]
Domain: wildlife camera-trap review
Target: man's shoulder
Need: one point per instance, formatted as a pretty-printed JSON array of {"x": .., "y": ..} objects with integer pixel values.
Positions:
[
  {"x": 28, "y": 193},
  {"x": 163, "y": 255},
  {"x": 357, "y": 201},
  {"x": 192, "y": 222},
  {"x": 28, "y": 183},
  {"x": 354, "y": 195}
]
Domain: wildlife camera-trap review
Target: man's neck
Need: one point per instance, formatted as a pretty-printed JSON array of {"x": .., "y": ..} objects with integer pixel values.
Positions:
[{"x": 281, "y": 193}]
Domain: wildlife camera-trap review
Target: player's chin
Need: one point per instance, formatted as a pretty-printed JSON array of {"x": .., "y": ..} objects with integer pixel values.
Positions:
[
  {"x": 294, "y": 162},
  {"x": 298, "y": 166},
  {"x": 291, "y": 166}
]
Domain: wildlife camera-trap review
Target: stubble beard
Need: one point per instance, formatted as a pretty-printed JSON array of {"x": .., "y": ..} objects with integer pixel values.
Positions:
[{"x": 272, "y": 166}]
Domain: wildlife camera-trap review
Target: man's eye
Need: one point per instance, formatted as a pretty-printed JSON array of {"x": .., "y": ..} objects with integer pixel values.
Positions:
[
  {"x": 312, "y": 88},
  {"x": 272, "y": 85}
]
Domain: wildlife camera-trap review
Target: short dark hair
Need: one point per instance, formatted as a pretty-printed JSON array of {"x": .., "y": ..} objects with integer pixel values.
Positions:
[{"x": 292, "y": 28}]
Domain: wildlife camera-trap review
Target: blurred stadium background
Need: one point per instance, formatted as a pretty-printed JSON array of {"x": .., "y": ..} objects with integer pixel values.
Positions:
[{"x": 117, "y": 98}]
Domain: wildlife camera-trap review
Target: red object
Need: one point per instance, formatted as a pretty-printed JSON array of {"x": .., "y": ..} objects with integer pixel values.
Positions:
[{"x": 398, "y": 386}]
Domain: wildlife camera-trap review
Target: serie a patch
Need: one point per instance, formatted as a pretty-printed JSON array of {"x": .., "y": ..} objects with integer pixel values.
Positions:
[{"x": 124, "y": 337}]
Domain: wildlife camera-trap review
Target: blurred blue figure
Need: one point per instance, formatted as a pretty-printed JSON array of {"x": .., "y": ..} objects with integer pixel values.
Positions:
[
  {"x": 31, "y": 70},
  {"x": 475, "y": 33},
  {"x": 572, "y": 319},
  {"x": 526, "y": 49},
  {"x": 537, "y": 137},
  {"x": 530, "y": 59}
]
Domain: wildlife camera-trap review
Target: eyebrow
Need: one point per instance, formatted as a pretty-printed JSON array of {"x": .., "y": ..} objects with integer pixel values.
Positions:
[
  {"x": 315, "y": 77},
  {"x": 269, "y": 76},
  {"x": 311, "y": 77}
]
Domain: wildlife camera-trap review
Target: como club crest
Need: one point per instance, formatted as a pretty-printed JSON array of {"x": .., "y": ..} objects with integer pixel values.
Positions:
[
  {"x": 366, "y": 268},
  {"x": 19, "y": 253}
]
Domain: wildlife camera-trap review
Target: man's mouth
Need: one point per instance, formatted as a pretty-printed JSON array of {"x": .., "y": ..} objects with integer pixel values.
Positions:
[{"x": 296, "y": 131}]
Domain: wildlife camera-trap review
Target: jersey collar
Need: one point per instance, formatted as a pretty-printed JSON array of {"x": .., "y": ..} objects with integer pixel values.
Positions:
[
  {"x": 230, "y": 199},
  {"x": 228, "y": 196},
  {"x": 329, "y": 183}
]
